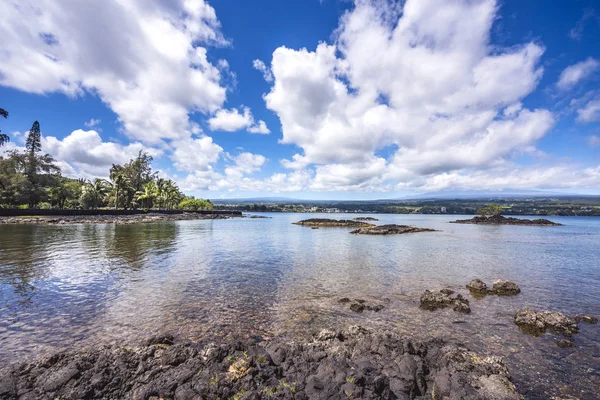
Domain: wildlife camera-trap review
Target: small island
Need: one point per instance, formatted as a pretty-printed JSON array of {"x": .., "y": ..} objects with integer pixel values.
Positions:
[
  {"x": 333, "y": 223},
  {"x": 490, "y": 215},
  {"x": 391, "y": 229}
]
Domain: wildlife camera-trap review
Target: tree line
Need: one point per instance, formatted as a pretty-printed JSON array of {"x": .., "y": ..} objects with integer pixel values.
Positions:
[{"x": 31, "y": 179}]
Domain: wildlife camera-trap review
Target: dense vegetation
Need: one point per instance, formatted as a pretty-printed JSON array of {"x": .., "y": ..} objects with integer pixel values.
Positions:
[
  {"x": 32, "y": 179},
  {"x": 543, "y": 206}
]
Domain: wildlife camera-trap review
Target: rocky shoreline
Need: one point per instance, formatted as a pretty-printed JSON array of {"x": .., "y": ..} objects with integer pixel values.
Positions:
[
  {"x": 352, "y": 363},
  {"x": 332, "y": 223},
  {"x": 500, "y": 220},
  {"x": 110, "y": 219}
]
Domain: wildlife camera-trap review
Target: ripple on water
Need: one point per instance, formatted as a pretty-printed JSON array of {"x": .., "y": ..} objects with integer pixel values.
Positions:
[{"x": 66, "y": 287}]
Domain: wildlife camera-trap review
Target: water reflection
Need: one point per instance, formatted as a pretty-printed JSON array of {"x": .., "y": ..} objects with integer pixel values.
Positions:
[{"x": 72, "y": 286}]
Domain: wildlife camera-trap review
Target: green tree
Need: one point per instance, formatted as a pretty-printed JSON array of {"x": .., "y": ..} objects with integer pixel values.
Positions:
[
  {"x": 34, "y": 139},
  {"x": 119, "y": 185},
  {"x": 193, "y": 204},
  {"x": 138, "y": 173},
  {"x": 490, "y": 210},
  {"x": 93, "y": 193},
  {"x": 3, "y": 138},
  {"x": 146, "y": 197}
]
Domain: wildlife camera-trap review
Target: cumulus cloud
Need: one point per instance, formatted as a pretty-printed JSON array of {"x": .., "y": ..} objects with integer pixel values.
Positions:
[
  {"x": 84, "y": 153},
  {"x": 577, "y": 72},
  {"x": 420, "y": 83},
  {"x": 196, "y": 154},
  {"x": 590, "y": 112},
  {"x": 234, "y": 177},
  {"x": 259, "y": 65},
  {"x": 142, "y": 58},
  {"x": 232, "y": 120}
]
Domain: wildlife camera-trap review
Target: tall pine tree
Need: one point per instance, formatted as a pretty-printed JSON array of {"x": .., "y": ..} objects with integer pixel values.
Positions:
[{"x": 34, "y": 139}]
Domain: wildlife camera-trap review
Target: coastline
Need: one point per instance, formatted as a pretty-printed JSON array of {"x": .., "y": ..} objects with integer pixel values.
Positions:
[
  {"x": 113, "y": 219},
  {"x": 351, "y": 363}
]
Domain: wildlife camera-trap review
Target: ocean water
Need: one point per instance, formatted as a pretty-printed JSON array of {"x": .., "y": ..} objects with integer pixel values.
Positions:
[{"x": 73, "y": 286}]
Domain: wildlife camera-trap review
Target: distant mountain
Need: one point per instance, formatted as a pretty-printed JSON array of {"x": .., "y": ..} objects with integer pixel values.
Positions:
[
  {"x": 258, "y": 200},
  {"x": 487, "y": 194}
]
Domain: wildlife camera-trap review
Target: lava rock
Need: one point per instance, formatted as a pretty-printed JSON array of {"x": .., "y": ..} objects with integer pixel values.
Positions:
[
  {"x": 587, "y": 319},
  {"x": 500, "y": 220},
  {"x": 536, "y": 323},
  {"x": 565, "y": 344},
  {"x": 391, "y": 229},
  {"x": 505, "y": 288},
  {"x": 477, "y": 286},
  {"x": 352, "y": 362},
  {"x": 436, "y": 300}
]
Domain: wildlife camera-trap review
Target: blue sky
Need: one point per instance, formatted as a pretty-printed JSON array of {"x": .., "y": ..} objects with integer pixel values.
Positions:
[{"x": 312, "y": 99}]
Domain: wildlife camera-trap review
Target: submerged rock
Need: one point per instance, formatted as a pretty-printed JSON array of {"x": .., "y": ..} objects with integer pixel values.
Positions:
[
  {"x": 477, "y": 286},
  {"x": 500, "y": 287},
  {"x": 324, "y": 222},
  {"x": 500, "y": 220},
  {"x": 565, "y": 344},
  {"x": 536, "y": 323},
  {"x": 360, "y": 305},
  {"x": 505, "y": 288},
  {"x": 587, "y": 319},
  {"x": 337, "y": 365},
  {"x": 435, "y": 300},
  {"x": 390, "y": 230}
]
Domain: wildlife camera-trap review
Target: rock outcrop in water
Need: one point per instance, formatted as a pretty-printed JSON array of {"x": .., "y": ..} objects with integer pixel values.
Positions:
[
  {"x": 335, "y": 223},
  {"x": 500, "y": 220},
  {"x": 436, "y": 300},
  {"x": 365, "y": 219},
  {"x": 336, "y": 365},
  {"x": 500, "y": 287},
  {"x": 391, "y": 229},
  {"x": 536, "y": 323}
]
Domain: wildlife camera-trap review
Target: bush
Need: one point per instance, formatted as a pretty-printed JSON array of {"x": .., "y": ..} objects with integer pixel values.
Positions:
[
  {"x": 192, "y": 204},
  {"x": 44, "y": 206}
]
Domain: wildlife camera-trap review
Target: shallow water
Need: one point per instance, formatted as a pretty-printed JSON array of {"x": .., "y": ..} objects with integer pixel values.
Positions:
[{"x": 67, "y": 287}]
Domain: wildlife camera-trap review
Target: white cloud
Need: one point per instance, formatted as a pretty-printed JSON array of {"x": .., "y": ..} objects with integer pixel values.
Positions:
[
  {"x": 84, "y": 153},
  {"x": 259, "y": 65},
  {"x": 594, "y": 141},
  {"x": 590, "y": 112},
  {"x": 422, "y": 85},
  {"x": 234, "y": 178},
  {"x": 232, "y": 120},
  {"x": 141, "y": 58},
  {"x": 577, "y": 72},
  {"x": 92, "y": 123},
  {"x": 260, "y": 127},
  {"x": 196, "y": 154}
]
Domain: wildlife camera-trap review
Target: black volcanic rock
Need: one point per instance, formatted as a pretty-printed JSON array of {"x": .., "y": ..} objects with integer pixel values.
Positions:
[
  {"x": 335, "y": 365},
  {"x": 436, "y": 300},
  {"x": 391, "y": 229},
  {"x": 500, "y": 220},
  {"x": 336, "y": 223}
]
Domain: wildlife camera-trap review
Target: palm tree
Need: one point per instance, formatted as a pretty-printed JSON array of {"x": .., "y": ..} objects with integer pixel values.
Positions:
[
  {"x": 96, "y": 191},
  {"x": 120, "y": 182},
  {"x": 147, "y": 196}
]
